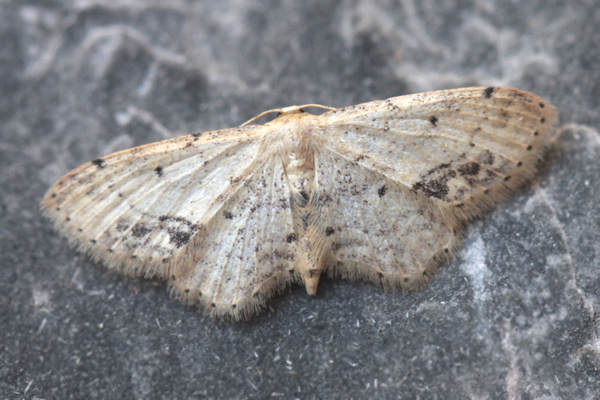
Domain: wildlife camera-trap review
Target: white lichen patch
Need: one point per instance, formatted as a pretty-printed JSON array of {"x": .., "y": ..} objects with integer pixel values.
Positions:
[{"x": 475, "y": 267}]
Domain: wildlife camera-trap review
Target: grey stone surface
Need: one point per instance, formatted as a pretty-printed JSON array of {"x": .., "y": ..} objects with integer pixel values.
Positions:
[{"x": 512, "y": 316}]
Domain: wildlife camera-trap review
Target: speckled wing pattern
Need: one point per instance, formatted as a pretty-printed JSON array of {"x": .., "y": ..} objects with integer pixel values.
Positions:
[
  {"x": 407, "y": 172},
  {"x": 377, "y": 191},
  {"x": 381, "y": 231},
  {"x": 242, "y": 254},
  {"x": 138, "y": 209}
]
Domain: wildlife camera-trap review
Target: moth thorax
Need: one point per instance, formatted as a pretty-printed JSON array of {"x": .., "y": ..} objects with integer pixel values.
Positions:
[{"x": 301, "y": 174}]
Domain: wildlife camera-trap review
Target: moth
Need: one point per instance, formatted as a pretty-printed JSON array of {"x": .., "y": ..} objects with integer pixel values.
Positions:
[{"x": 379, "y": 191}]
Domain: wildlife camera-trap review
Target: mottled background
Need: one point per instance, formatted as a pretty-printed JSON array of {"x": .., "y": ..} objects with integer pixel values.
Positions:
[{"x": 513, "y": 316}]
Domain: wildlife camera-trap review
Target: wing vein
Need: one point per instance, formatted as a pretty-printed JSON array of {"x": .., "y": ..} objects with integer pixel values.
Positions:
[
  {"x": 126, "y": 177},
  {"x": 420, "y": 135}
]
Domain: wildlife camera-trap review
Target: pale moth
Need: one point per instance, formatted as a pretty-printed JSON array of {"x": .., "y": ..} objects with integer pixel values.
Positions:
[{"x": 378, "y": 191}]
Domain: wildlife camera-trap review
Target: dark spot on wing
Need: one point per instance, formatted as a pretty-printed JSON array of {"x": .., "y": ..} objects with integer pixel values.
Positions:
[
  {"x": 179, "y": 237},
  {"x": 439, "y": 167},
  {"x": 227, "y": 215},
  {"x": 329, "y": 231},
  {"x": 300, "y": 198},
  {"x": 180, "y": 229},
  {"x": 433, "y": 188},
  {"x": 435, "y": 182},
  {"x": 291, "y": 238},
  {"x": 122, "y": 225},
  {"x": 324, "y": 197},
  {"x": 470, "y": 168},
  {"x": 139, "y": 230},
  {"x": 433, "y": 119},
  {"x": 488, "y": 92},
  {"x": 98, "y": 162},
  {"x": 158, "y": 170},
  {"x": 381, "y": 191}
]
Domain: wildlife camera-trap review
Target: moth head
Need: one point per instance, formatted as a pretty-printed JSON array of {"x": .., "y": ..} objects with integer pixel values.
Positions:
[{"x": 287, "y": 111}]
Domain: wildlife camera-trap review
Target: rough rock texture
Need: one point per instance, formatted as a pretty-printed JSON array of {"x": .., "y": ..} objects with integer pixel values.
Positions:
[{"x": 512, "y": 316}]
